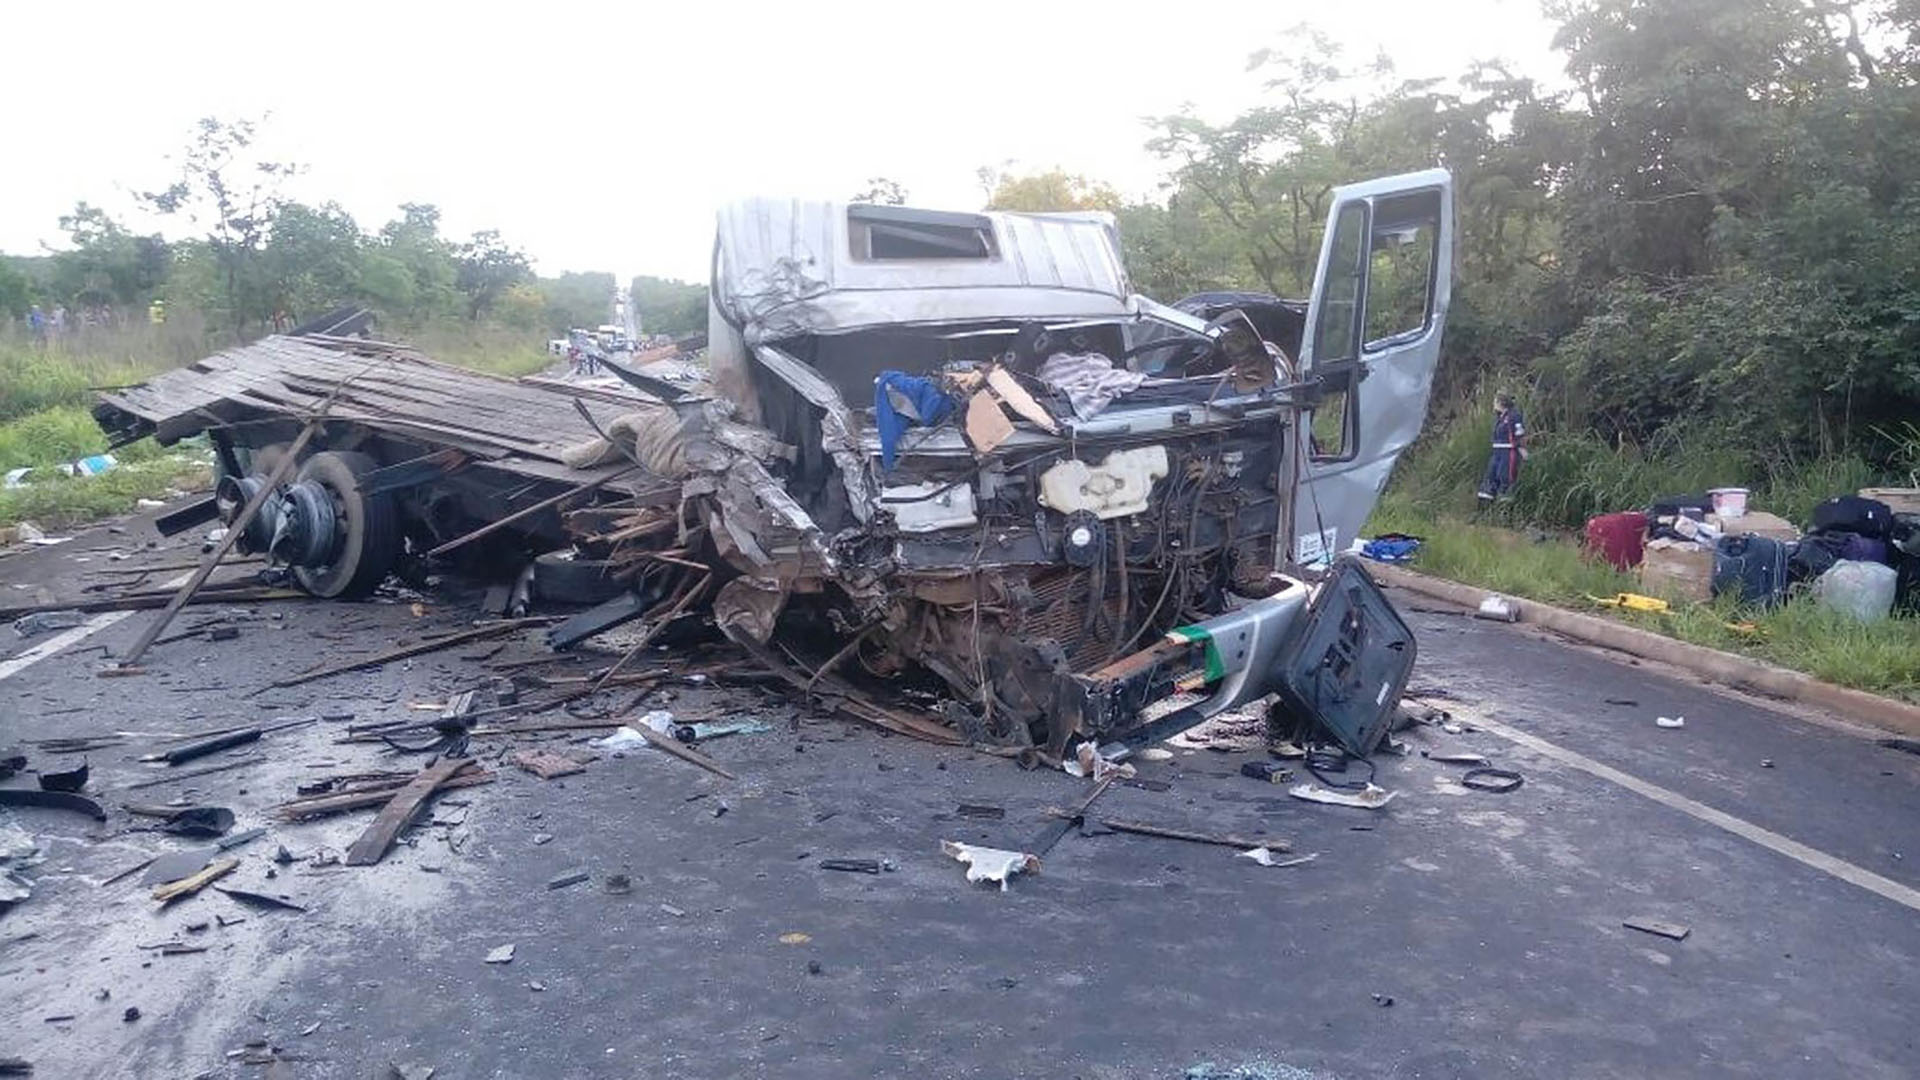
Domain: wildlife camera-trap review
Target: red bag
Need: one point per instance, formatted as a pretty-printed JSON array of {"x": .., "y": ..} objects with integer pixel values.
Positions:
[{"x": 1620, "y": 539}]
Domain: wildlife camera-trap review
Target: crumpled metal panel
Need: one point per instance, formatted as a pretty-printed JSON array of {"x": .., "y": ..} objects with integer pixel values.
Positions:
[{"x": 785, "y": 267}]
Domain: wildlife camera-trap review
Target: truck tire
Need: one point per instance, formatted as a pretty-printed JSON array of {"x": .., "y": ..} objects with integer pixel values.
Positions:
[
  {"x": 368, "y": 529},
  {"x": 564, "y": 579}
]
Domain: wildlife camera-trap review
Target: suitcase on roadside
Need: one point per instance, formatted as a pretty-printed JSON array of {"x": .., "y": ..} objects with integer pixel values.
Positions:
[
  {"x": 1851, "y": 513},
  {"x": 1754, "y": 568},
  {"x": 1903, "y": 554},
  {"x": 1862, "y": 548},
  {"x": 1815, "y": 555},
  {"x": 1620, "y": 539}
]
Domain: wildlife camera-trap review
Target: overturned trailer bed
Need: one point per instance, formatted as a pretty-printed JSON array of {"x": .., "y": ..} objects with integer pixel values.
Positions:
[{"x": 408, "y": 452}]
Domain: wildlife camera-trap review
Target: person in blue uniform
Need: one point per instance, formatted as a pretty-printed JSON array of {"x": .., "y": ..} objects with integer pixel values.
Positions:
[{"x": 1509, "y": 449}]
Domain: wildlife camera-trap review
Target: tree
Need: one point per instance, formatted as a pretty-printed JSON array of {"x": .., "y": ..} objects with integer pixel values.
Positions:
[
  {"x": 1049, "y": 191},
  {"x": 106, "y": 264},
  {"x": 16, "y": 290},
  {"x": 487, "y": 269},
  {"x": 582, "y": 300},
  {"x": 666, "y": 306},
  {"x": 227, "y": 189},
  {"x": 312, "y": 260},
  {"x": 413, "y": 241},
  {"x": 1266, "y": 176},
  {"x": 882, "y": 191}
]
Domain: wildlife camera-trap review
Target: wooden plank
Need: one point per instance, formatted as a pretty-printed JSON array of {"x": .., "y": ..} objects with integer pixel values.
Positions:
[
  {"x": 684, "y": 752},
  {"x": 174, "y": 890},
  {"x": 277, "y": 374},
  {"x": 374, "y": 842},
  {"x": 320, "y": 806},
  {"x": 547, "y": 765},
  {"x": 415, "y": 649},
  {"x": 1144, "y": 828}
]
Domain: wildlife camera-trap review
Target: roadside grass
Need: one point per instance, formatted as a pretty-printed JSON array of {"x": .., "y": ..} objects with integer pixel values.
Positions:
[
  {"x": 1571, "y": 476},
  {"x": 484, "y": 347},
  {"x": 1881, "y": 657},
  {"x": 62, "y": 502}
]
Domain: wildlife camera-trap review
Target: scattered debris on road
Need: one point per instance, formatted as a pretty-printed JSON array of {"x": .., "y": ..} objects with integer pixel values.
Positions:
[
  {"x": 175, "y": 890},
  {"x": 991, "y": 864},
  {"x": 1675, "y": 931},
  {"x": 260, "y": 899},
  {"x": 852, "y": 866},
  {"x": 1370, "y": 797},
  {"x": 1265, "y": 857},
  {"x": 1485, "y": 778},
  {"x": 1147, "y": 828}
]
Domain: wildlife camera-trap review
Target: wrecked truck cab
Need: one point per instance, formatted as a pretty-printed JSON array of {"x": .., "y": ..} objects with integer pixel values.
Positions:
[{"x": 999, "y": 478}]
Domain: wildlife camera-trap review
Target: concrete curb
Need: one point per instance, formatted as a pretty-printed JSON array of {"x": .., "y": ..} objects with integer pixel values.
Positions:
[{"x": 1738, "y": 672}]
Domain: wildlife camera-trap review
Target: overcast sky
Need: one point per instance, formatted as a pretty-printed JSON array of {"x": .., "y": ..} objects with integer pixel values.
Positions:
[{"x": 601, "y": 137}]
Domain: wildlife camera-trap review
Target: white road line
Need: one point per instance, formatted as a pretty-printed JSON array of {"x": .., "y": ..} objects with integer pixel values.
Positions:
[
  {"x": 1766, "y": 838},
  {"x": 74, "y": 636}
]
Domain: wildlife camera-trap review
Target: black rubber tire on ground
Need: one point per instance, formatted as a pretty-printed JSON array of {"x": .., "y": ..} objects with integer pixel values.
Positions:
[
  {"x": 560, "y": 577},
  {"x": 368, "y": 528}
]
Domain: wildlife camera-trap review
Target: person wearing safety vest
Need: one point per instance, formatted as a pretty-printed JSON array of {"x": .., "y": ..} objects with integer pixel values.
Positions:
[{"x": 1509, "y": 450}]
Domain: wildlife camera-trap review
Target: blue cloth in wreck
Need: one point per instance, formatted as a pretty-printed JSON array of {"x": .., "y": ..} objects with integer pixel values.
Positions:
[
  {"x": 925, "y": 401},
  {"x": 1391, "y": 548}
]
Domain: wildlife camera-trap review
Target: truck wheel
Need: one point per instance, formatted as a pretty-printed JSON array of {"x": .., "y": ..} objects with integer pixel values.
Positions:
[
  {"x": 560, "y": 577},
  {"x": 367, "y": 530}
]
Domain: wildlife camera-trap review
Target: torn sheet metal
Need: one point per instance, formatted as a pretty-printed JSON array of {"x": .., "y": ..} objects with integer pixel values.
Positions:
[
  {"x": 837, "y": 425},
  {"x": 749, "y": 605},
  {"x": 991, "y": 864}
]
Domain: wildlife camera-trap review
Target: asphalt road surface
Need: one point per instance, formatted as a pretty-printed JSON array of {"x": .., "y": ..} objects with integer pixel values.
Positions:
[{"x": 1454, "y": 933}]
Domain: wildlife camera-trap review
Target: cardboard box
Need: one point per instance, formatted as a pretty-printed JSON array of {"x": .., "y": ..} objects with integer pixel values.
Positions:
[
  {"x": 1755, "y": 523},
  {"x": 1677, "y": 569},
  {"x": 1899, "y": 500}
]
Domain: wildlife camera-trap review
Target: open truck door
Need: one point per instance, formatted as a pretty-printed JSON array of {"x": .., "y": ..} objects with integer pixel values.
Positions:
[
  {"x": 1337, "y": 655},
  {"x": 1372, "y": 340}
]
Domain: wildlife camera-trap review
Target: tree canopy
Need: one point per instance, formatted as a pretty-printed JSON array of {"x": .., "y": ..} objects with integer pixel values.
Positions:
[{"x": 1713, "y": 232}]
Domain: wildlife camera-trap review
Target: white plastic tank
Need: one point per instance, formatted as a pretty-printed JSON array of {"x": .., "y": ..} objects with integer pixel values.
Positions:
[{"x": 1863, "y": 590}]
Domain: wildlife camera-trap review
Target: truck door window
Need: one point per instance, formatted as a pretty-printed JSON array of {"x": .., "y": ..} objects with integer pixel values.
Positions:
[
  {"x": 1336, "y": 336},
  {"x": 1330, "y": 433},
  {"x": 1336, "y": 339},
  {"x": 1400, "y": 268}
]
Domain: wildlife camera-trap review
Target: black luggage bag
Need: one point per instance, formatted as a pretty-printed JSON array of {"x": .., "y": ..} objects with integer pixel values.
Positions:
[{"x": 1754, "y": 568}]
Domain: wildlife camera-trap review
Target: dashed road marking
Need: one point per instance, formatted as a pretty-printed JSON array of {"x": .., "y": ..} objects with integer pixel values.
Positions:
[
  {"x": 70, "y": 637},
  {"x": 1747, "y": 830}
]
